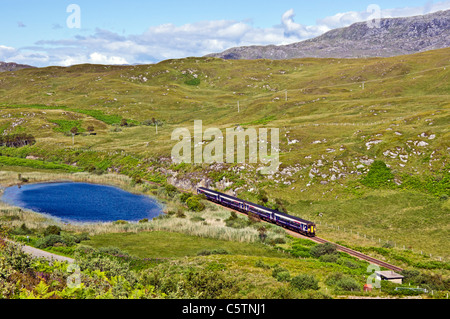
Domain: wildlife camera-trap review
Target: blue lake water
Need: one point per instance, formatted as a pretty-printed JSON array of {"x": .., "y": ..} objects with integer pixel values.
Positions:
[{"x": 81, "y": 202}]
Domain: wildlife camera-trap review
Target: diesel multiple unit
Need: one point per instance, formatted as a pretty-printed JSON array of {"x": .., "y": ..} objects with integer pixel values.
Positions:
[{"x": 293, "y": 223}]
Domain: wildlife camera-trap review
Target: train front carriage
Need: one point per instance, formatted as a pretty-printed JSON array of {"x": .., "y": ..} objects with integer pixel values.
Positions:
[
  {"x": 284, "y": 220},
  {"x": 312, "y": 230}
]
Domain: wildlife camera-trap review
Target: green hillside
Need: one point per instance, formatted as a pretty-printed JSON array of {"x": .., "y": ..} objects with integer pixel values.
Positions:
[{"x": 340, "y": 117}]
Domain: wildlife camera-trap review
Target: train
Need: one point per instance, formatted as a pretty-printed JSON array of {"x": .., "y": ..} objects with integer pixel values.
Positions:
[{"x": 293, "y": 223}]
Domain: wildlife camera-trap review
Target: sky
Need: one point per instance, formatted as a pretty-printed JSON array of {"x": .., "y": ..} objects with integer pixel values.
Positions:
[{"x": 59, "y": 32}]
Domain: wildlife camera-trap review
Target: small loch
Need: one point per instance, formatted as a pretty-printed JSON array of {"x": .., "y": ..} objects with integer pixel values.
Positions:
[{"x": 82, "y": 202}]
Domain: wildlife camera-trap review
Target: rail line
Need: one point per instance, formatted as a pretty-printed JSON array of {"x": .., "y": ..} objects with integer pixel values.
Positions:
[
  {"x": 344, "y": 249},
  {"x": 358, "y": 254}
]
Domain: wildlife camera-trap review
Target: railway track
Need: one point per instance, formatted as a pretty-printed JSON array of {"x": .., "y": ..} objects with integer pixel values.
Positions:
[
  {"x": 344, "y": 249},
  {"x": 359, "y": 255}
]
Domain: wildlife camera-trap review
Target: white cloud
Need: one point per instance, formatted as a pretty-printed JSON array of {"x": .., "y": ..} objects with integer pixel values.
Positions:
[
  {"x": 345, "y": 19},
  {"x": 98, "y": 58},
  {"x": 93, "y": 58},
  {"x": 168, "y": 41},
  {"x": 291, "y": 28},
  {"x": 6, "y": 52},
  {"x": 9, "y": 54}
]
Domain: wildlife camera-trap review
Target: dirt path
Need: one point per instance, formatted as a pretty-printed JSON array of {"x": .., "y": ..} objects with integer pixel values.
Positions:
[
  {"x": 37, "y": 253},
  {"x": 34, "y": 252}
]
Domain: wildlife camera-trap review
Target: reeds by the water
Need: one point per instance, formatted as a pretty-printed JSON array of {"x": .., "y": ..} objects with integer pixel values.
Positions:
[{"x": 212, "y": 224}]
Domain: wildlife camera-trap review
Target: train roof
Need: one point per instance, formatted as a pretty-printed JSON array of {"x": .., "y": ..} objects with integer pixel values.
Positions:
[{"x": 261, "y": 207}]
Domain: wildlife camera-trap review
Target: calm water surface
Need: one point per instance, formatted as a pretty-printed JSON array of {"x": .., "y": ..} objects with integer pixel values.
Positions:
[{"x": 81, "y": 202}]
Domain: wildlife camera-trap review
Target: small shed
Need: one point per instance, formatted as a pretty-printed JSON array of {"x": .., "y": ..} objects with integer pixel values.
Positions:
[
  {"x": 390, "y": 276},
  {"x": 367, "y": 287}
]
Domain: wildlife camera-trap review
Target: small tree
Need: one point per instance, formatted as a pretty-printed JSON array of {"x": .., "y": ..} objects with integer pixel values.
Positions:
[
  {"x": 170, "y": 190},
  {"x": 123, "y": 122},
  {"x": 74, "y": 130},
  {"x": 323, "y": 249},
  {"x": 233, "y": 216},
  {"x": 194, "y": 204},
  {"x": 281, "y": 274},
  {"x": 262, "y": 197},
  {"x": 304, "y": 282},
  {"x": 52, "y": 230},
  {"x": 349, "y": 284},
  {"x": 262, "y": 233},
  {"x": 91, "y": 129}
]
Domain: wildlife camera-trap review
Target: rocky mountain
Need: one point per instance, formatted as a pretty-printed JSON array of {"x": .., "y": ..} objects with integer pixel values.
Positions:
[
  {"x": 394, "y": 37},
  {"x": 11, "y": 66}
]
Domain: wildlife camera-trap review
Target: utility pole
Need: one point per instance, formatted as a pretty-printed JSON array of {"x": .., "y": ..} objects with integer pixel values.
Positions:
[
  {"x": 239, "y": 108},
  {"x": 74, "y": 131},
  {"x": 286, "y": 95}
]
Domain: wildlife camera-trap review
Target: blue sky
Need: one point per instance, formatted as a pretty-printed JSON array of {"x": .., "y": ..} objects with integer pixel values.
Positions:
[{"x": 138, "y": 31}]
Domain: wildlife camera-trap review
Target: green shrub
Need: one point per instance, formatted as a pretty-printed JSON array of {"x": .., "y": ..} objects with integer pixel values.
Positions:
[
  {"x": 15, "y": 257},
  {"x": 65, "y": 126},
  {"x": 197, "y": 219},
  {"x": 276, "y": 241},
  {"x": 99, "y": 115},
  {"x": 50, "y": 240},
  {"x": 379, "y": 176},
  {"x": 405, "y": 291},
  {"x": 194, "y": 204},
  {"x": 260, "y": 264},
  {"x": 207, "y": 285},
  {"x": 120, "y": 222},
  {"x": 22, "y": 230},
  {"x": 262, "y": 197},
  {"x": 64, "y": 239},
  {"x": 323, "y": 249},
  {"x": 180, "y": 213},
  {"x": 343, "y": 282},
  {"x": 298, "y": 250},
  {"x": 388, "y": 245},
  {"x": 192, "y": 81},
  {"x": 113, "y": 251},
  {"x": 427, "y": 280},
  {"x": 237, "y": 223},
  {"x": 437, "y": 184},
  {"x": 348, "y": 263},
  {"x": 281, "y": 274},
  {"x": 14, "y": 161},
  {"x": 304, "y": 282},
  {"x": 52, "y": 230},
  {"x": 204, "y": 252},
  {"x": 329, "y": 258},
  {"x": 214, "y": 266},
  {"x": 217, "y": 251},
  {"x": 284, "y": 276},
  {"x": 348, "y": 284},
  {"x": 184, "y": 197},
  {"x": 334, "y": 278},
  {"x": 170, "y": 190},
  {"x": 81, "y": 237}
]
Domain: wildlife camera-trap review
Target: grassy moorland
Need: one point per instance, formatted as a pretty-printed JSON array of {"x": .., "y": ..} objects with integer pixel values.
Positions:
[{"x": 364, "y": 152}]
